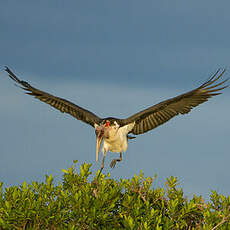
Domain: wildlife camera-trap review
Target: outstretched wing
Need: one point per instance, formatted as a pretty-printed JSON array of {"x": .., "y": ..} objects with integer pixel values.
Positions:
[
  {"x": 158, "y": 114},
  {"x": 57, "y": 102}
]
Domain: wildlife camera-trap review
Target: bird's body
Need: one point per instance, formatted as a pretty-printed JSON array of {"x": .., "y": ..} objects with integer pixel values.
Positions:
[
  {"x": 113, "y": 132},
  {"x": 117, "y": 140}
]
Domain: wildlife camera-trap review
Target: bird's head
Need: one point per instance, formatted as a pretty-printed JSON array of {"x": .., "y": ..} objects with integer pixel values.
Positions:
[
  {"x": 101, "y": 131},
  {"x": 104, "y": 131}
]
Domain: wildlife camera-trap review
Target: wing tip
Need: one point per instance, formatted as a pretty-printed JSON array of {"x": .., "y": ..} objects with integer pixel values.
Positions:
[
  {"x": 8, "y": 70},
  {"x": 12, "y": 75},
  {"x": 209, "y": 84}
]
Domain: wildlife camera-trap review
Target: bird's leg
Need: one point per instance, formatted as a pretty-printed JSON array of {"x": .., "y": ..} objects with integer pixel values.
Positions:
[
  {"x": 114, "y": 161},
  {"x": 102, "y": 163}
]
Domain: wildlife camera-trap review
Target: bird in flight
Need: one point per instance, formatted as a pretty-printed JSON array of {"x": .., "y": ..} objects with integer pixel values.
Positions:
[{"x": 114, "y": 132}]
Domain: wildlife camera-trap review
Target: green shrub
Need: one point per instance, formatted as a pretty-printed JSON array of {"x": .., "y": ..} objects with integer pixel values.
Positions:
[{"x": 78, "y": 203}]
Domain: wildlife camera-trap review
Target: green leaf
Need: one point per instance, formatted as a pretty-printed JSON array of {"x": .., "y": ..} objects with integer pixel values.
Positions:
[
  {"x": 65, "y": 171},
  {"x": 83, "y": 202},
  {"x": 7, "y": 203}
]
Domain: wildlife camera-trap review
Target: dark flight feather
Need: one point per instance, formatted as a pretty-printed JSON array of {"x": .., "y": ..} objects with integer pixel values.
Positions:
[
  {"x": 145, "y": 120},
  {"x": 58, "y": 103},
  {"x": 158, "y": 114}
]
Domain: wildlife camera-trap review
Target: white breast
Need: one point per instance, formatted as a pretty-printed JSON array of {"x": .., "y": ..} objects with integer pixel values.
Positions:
[{"x": 117, "y": 141}]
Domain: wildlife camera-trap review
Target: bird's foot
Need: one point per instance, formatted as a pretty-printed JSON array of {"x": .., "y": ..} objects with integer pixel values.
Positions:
[{"x": 113, "y": 163}]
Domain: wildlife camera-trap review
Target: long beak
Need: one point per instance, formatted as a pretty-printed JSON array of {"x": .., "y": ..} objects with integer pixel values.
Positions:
[{"x": 98, "y": 145}]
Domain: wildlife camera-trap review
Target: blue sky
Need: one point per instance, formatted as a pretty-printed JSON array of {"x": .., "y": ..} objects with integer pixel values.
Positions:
[{"x": 114, "y": 58}]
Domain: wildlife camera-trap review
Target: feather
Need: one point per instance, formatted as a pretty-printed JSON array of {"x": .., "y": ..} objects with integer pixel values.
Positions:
[
  {"x": 57, "y": 102},
  {"x": 158, "y": 114}
]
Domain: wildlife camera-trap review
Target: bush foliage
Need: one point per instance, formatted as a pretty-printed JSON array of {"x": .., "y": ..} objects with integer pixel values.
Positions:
[{"x": 78, "y": 203}]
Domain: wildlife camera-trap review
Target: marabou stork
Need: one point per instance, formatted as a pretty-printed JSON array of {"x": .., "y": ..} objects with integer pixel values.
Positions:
[{"x": 115, "y": 132}]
